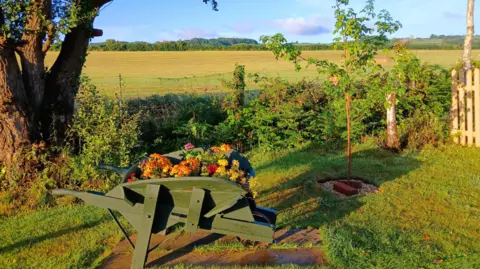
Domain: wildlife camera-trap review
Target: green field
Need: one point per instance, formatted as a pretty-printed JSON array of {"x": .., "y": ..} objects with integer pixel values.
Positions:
[{"x": 148, "y": 73}]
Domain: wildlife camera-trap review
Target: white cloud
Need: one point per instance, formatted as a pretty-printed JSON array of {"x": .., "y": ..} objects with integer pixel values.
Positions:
[{"x": 302, "y": 26}]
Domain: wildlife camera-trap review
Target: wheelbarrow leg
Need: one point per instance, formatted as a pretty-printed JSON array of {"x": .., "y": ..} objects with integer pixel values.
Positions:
[{"x": 143, "y": 239}]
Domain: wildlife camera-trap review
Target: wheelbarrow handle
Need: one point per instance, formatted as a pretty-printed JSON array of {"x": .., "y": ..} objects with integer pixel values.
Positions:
[
  {"x": 122, "y": 172},
  {"x": 99, "y": 199}
]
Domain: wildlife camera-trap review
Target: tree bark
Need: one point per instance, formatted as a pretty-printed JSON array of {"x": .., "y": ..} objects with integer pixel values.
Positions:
[
  {"x": 467, "y": 48},
  {"x": 31, "y": 101},
  {"x": 62, "y": 84},
  {"x": 33, "y": 67},
  {"x": 392, "y": 134},
  {"x": 14, "y": 128}
]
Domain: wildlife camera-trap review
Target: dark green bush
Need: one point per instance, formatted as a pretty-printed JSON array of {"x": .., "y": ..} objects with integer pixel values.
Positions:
[
  {"x": 168, "y": 122},
  {"x": 423, "y": 128}
]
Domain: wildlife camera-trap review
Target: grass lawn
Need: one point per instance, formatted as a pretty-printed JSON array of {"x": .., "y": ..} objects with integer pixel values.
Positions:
[
  {"x": 148, "y": 73},
  {"x": 426, "y": 215}
]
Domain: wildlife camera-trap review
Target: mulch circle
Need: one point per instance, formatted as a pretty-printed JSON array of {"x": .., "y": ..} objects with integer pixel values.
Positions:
[{"x": 359, "y": 185}]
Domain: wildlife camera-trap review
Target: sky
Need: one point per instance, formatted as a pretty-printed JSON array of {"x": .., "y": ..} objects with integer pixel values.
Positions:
[{"x": 299, "y": 20}]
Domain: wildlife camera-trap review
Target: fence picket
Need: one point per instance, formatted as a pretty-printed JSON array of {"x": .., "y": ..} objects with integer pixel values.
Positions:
[
  {"x": 469, "y": 112},
  {"x": 454, "y": 111},
  {"x": 476, "y": 97},
  {"x": 465, "y": 112},
  {"x": 461, "y": 114}
]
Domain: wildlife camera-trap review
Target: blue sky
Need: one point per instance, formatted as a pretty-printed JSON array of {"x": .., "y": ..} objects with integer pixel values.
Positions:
[{"x": 299, "y": 20}]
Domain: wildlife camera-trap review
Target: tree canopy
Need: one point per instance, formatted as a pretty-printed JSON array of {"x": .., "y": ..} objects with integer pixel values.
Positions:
[{"x": 36, "y": 102}]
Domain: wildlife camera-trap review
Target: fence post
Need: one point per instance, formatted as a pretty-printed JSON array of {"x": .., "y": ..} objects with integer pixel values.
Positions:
[
  {"x": 454, "y": 111},
  {"x": 469, "y": 95},
  {"x": 476, "y": 91}
]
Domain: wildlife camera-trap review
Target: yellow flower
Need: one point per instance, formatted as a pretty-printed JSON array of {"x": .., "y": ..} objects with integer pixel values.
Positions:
[
  {"x": 222, "y": 162},
  {"x": 221, "y": 171},
  {"x": 235, "y": 164}
]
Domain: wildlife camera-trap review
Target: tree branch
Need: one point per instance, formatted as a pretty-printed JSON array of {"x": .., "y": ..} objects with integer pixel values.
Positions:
[
  {"x": 50, "y": 36},
  {"x": 100, "y": 3}
]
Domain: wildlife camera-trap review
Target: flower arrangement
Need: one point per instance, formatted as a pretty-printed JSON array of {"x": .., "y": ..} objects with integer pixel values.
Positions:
[{"x": 210, "y": 163}]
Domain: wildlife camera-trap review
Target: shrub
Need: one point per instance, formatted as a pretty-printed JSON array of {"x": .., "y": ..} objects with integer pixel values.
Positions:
[
  {"x": 102, "y": 129},
  {"x": 168, "y": 122},
  {"x": 102, "y": 132},
  {"x": 423, "y": 128}
]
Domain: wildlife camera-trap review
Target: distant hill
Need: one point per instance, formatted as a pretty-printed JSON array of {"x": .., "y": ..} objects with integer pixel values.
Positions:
[
  {"x": 448, "y": 42},
  {"x": 434, "y": 42}
]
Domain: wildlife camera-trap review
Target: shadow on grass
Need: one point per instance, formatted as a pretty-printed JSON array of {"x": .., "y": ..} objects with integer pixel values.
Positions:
[
  {"x": 302, "y": 202},
  {"x": 38, "y": 239}
]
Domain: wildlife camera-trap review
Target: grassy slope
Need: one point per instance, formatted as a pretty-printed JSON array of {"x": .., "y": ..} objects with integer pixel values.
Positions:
[
  {"x": 148, "y": 73},
  {"x": 428, "y": 210}
]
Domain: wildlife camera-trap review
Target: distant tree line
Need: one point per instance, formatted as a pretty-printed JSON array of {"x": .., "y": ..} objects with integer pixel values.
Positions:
[{"x": 435, "y": 42}]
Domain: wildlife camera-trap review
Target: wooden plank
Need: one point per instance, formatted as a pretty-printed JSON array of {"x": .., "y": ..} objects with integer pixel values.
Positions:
[
  {"x": 469, "y": 95},
  {"x": 461, "y": 77},
  {"x": 454, "y": 111},
  {"x": 476, "y": 91},
  {"x": 194, "y": 210},
  {"x": 143, "y": 240},
  {"x": 461, "y": 114}
]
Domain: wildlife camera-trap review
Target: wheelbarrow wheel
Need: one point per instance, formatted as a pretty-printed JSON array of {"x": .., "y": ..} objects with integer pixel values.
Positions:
[{"x": 257, "y": 216}]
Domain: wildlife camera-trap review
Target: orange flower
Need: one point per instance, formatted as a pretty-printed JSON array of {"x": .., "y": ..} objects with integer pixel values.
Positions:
[
  {"x": 226, "y": 148},
  {"x": 180, "y": 170},
  {"x": 215, "y": 149},
  {"x": 193, "y": 163},
  {"x": 155, "y": 165}
]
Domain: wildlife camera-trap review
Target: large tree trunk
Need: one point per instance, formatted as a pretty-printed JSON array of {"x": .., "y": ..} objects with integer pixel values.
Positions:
[
  {"x": 392, "y": 134},
  {"x": 31, "y": 101},
  {"x": 467, "y": 48},
  {"x": 14, "y": 127},
  {"x": 62, "y": 84}
]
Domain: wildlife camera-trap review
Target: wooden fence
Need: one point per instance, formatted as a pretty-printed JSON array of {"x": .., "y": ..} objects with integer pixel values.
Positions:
[{"x": 465, "y": 113}]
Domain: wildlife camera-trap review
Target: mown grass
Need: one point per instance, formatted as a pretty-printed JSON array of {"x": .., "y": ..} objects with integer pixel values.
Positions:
[
  {"x": 66, "y": 237},
  {"x": 426, "y": 214},
  {"x": 148, "y": 73}
]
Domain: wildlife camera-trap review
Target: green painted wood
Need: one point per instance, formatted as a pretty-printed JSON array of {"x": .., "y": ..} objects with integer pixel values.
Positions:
[
  {"x": 223, "y": 206},
  {"x": 239, "y": 211},
  {"x": 194, "y": 210},
  {"x": 102, "y": 201},
  {"x": 152, "y": 206},
  {"x": 148, "y": 214},
  {"x": 247, "y": 230}
]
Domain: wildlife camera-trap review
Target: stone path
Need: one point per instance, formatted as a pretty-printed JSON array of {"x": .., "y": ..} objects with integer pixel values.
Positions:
[{"x": 179, "y": 248}]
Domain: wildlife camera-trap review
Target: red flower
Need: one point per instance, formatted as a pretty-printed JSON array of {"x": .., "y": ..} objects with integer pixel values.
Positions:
[
  {"x": 131, "y": 178},
  {"x": 212, "y": 168}
]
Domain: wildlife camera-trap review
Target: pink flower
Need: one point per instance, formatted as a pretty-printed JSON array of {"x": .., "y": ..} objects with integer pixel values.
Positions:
[{"x": 189, "y": 146}]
